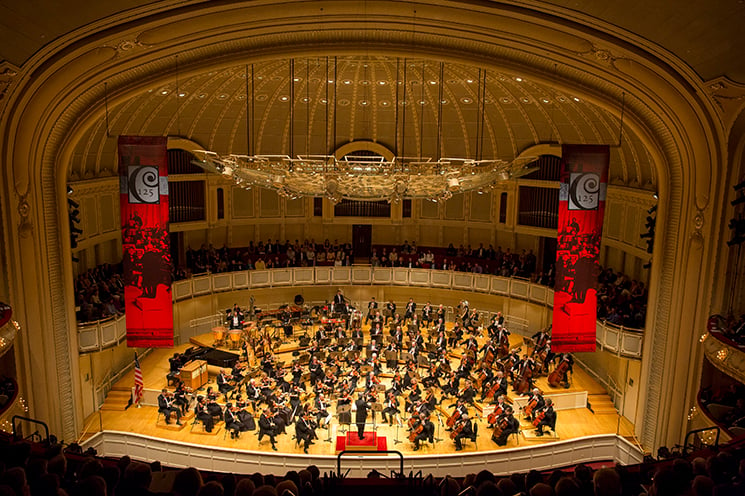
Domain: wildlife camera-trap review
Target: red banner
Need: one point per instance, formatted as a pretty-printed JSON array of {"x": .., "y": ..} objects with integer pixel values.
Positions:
[
  {"x": 584, "y": 176},
  {"x": 143, "y": 190}
]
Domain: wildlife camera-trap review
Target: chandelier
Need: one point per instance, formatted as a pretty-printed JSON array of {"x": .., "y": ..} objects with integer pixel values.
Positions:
[
  {"x": 366, "y": 174},
  {"x": 363, "y": 177}
]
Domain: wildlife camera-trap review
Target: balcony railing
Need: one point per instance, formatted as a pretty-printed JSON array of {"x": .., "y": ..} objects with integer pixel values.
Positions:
[{"x": 620, "y": 340}]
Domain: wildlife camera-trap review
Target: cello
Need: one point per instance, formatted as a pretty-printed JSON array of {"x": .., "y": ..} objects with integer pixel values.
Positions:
[
  {"x": 555, "y": 377},
  {"x": 453, "y": 418},
  {"x": 458, "y": 428},
  {"x": 492, "y": 418},
  {"x": 415, "y": 431}
]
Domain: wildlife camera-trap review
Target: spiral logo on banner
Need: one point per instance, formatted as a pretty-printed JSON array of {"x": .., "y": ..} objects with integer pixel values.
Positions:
[
  {"x": 143, "y": 184},
  {"x": 584, "y": 191}
]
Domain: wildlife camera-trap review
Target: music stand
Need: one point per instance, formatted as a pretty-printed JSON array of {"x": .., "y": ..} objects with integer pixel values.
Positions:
[
  {"x": 391, "y": 358},
  {"x": 366, "y": 369},
  {"x": 341, "y": 410},
  {"x": 359, "y": 342},
  {"x": 376, "y": 407}
]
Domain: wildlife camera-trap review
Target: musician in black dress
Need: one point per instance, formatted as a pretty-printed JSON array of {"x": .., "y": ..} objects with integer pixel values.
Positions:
[
  {"x": 267, "y": 427},
  {"x": 167, "y": 406},
  {"x": 549, "y": 418},
  {"x": 361, "y": 415}
]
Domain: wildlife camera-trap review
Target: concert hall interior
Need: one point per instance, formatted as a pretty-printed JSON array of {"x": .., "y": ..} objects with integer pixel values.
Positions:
[{"x": 326, "y": 158}]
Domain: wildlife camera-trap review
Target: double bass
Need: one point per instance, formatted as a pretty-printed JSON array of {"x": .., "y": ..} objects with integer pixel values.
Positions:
[
  {"x": 555, "y": 377},
  {"x": 522, "y": 384}
]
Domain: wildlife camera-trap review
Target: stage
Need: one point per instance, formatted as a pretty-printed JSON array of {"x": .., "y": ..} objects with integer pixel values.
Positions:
[{"x": 578, "y": 429}]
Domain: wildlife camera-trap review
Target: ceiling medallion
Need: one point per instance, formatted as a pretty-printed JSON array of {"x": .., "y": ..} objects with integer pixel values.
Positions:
[{"x": 363, "y": 177}]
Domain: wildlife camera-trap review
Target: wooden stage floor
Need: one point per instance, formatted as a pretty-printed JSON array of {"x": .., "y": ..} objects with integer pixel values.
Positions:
[{"x": 571, "y": 424}]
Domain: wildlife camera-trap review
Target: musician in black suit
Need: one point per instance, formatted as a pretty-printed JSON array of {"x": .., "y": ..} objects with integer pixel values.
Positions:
[
  {"x": 305, "y": 431},
  {"x": 410, "y": 310},
  {"x": 390, "y": 308},
  {"x": 391, "y": 410},
  {"x": 427, "y": 432},
  {"x": 167, "y": 406},
  {"x": 372, "y": 307},
  {"x": 549, "y": 418},
  {"x": 203, "y": 415},
  {"x": 340, "y": 303},
  {"x": 361, "y": 415},
  {"x": 223, "y": 383},
  {"x": 267, "y": 427},
  {"x": 466, "y": 431},
  {"x": 509, "y": 425},
  {"x": 232, "y": 422},
  {"x": 427, "y": 314}
]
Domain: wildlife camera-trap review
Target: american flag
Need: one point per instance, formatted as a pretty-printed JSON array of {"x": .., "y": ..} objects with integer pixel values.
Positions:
[{"x": 139, "y": 385}]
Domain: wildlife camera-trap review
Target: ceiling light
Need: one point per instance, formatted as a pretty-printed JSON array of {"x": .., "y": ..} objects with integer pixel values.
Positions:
[
  {"x": 575, "y": 99},
  {"x": 466, "y": 100},
  {"x": 382, "y": 83},
  {"x": 519, "y": 79},
  {"x": 222, "y": 96},
  {"x": 469, "y": 80},
  {"x": 433, "y": 82},
  {"x": 164, "y": 92},
  {"x": 347, "y": 81},
  {"x": 182, "y": 94},
  {"x": 284, "y": 98},
  {"x": 330, "y": 81}
]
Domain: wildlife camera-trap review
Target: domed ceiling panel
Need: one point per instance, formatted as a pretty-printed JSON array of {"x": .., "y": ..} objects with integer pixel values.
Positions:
[{"x": 408, "y": 106}]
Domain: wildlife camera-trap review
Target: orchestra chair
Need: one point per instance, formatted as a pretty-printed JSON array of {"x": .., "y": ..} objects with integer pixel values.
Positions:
[
  {"x": 195, "y": 422},
  {"x": 473, "y": 436},
  {"x": 172, "y": 378}
]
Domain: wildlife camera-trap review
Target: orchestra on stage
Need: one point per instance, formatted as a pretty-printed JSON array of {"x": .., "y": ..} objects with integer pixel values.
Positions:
[{"x": 398, "y": 372}]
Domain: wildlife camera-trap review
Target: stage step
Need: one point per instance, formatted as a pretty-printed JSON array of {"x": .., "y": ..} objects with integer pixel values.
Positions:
[
  {"x": 117, "y": 399},
  {"x": 601, "y": 404}
]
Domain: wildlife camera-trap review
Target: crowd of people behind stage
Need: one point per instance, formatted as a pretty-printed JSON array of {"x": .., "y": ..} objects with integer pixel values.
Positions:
[
  {"x": 621, "y": 300},
  {"x": 99, "y": 293},
  {"x": 48, "y": 470}
]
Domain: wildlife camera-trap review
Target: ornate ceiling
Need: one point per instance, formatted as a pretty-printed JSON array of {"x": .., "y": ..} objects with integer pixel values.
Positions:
[{"x": 407, "y": 105}]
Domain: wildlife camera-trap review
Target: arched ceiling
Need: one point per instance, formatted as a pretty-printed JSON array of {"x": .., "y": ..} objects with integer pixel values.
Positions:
[{"x": 407, "y": 105}]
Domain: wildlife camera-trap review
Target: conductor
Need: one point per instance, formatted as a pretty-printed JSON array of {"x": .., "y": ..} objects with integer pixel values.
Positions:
[
  {"x": 361, "y": 415},
  {"x": 340, "y": 303}
]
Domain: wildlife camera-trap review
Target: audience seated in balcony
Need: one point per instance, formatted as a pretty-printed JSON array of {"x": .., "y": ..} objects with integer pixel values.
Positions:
[{"x": 99, "y": 293}]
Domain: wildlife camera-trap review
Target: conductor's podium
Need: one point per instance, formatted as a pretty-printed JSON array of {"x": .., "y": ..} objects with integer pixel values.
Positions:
[{"x": 371, "y": 442}]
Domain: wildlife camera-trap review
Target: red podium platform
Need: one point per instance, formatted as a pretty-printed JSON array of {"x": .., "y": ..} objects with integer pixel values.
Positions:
[{"x": 371, "y": 442}]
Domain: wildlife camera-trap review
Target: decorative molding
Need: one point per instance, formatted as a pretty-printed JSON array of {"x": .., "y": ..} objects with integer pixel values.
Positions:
[
  {"x": 728, "y": 96},
  {"x": 727, "y": 358}
]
